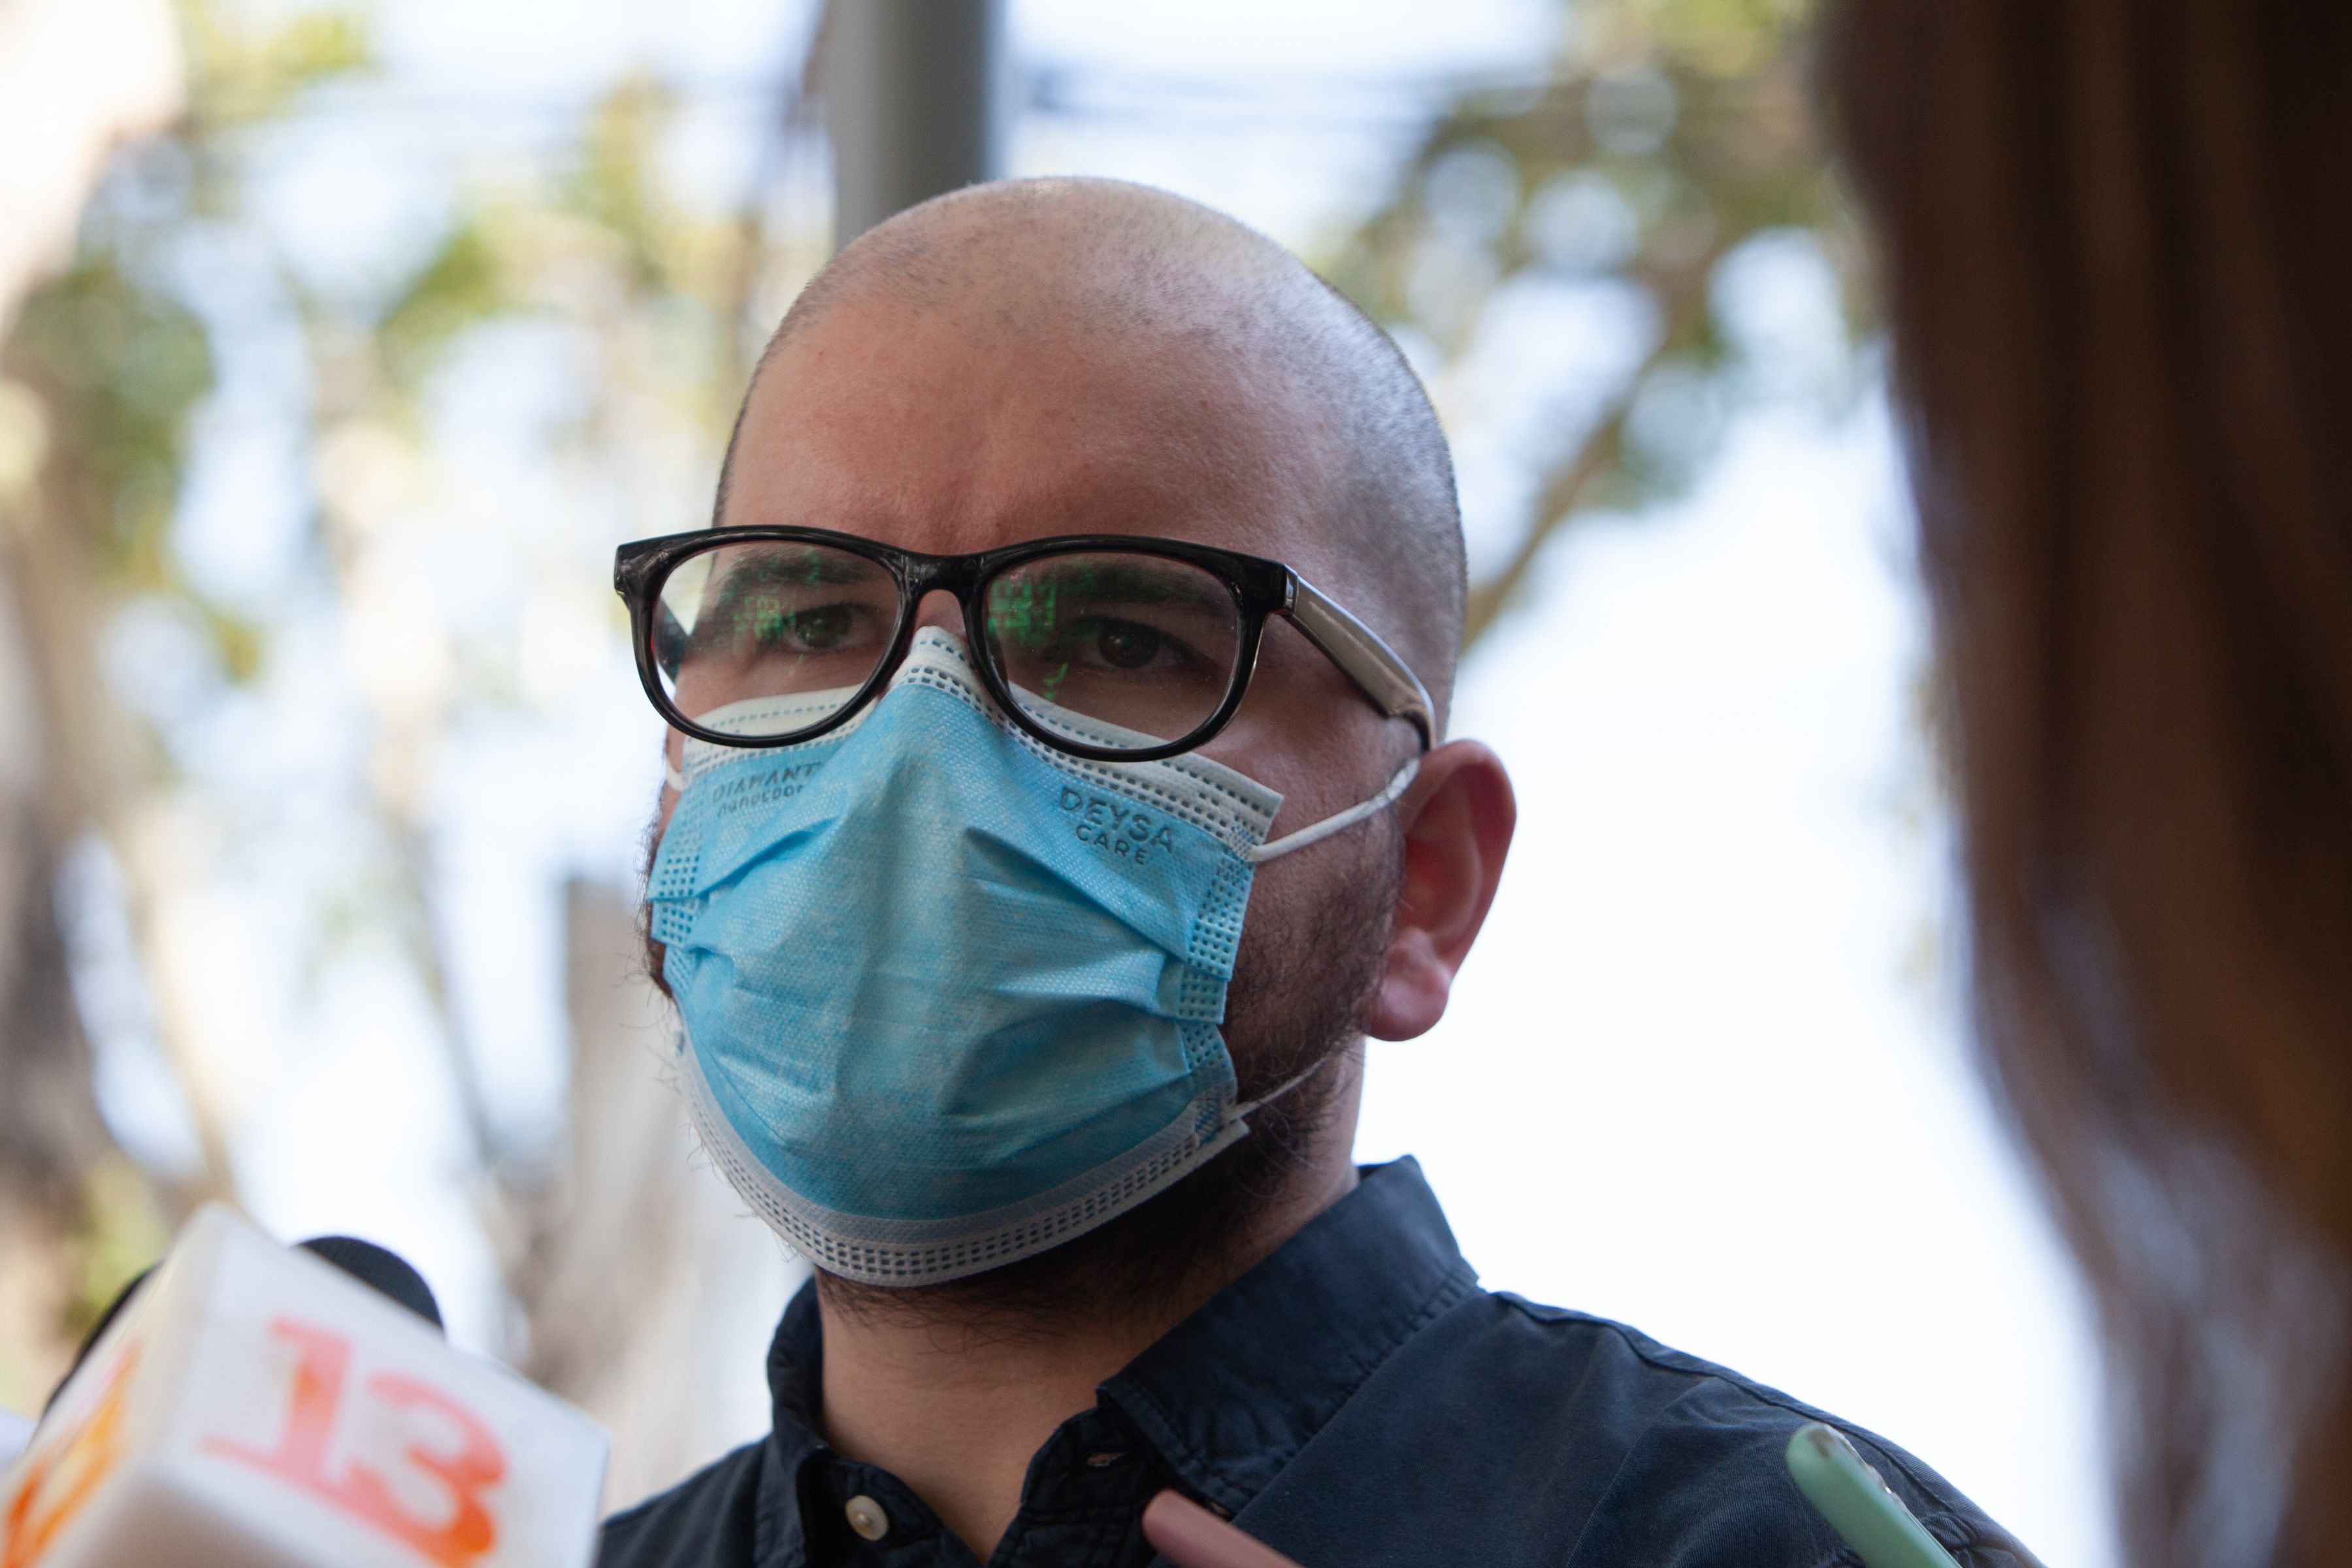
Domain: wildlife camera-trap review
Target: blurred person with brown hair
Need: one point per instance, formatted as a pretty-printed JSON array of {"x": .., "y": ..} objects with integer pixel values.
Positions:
[{"x": 2116, "y": 246}]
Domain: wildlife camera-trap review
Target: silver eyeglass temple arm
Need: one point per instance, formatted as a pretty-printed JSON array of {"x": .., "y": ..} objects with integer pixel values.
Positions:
[{"x": 1357, "y": 650}]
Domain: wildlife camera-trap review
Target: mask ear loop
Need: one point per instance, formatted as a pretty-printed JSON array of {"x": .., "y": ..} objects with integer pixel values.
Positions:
[
  {"x": 1332, "y": 825},
  {"x": 1300, "y": 840},
  {"x": 1250, "y": 1108}
]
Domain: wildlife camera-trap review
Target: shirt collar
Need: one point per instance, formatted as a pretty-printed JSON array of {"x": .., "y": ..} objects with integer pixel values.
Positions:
[
  {"x": 1230, "y": 1394},
  {"x": 796, "y": 1381}
]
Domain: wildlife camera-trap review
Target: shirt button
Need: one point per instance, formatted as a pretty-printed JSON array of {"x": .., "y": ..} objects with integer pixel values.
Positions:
[{"x": 867, "y": 1518}]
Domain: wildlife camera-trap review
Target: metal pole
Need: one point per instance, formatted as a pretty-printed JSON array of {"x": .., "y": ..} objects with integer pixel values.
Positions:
[{"x": 914, "y": 102}]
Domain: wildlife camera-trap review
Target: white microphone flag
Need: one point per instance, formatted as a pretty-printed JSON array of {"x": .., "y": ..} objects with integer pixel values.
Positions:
[{"x": 254, "y": 1407}]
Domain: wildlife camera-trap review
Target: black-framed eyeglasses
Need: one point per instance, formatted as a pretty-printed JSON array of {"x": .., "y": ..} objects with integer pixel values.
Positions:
[{"x": 1114, "y": 647}]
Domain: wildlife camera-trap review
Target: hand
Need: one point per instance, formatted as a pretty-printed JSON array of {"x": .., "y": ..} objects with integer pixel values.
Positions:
[{"x": 1192, "y": 1537}]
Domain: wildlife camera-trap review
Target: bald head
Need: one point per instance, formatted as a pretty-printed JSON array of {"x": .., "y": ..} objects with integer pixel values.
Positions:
[{"x": 1097, "y": 279}]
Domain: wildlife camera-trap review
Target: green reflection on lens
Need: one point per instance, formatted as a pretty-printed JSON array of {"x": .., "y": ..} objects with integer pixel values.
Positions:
[
  {"x": 755, "y": 602},
  {"x": 1022, "y": 613}
]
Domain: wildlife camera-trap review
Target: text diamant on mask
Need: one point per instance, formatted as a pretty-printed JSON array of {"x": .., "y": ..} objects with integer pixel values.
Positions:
[{"x": 733, "y": 796}]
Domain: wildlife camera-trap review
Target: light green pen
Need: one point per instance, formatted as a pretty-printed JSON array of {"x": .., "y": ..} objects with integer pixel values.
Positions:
[{"x": 1857, "y": 1503}]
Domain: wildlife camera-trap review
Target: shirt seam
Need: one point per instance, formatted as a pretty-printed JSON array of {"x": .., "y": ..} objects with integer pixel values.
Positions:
[
  {"x": 1448, "y": 1292},
  {"x": 1970, "y": 1536},
  {"x": 1601, "y": 1503},
  {"x": 1945, "y": 1507},
  {"x": 1839, "y": 1556}
]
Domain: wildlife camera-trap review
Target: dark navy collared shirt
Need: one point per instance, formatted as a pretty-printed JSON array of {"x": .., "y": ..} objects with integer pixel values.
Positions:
[{"x": 1355, "y": 1400}]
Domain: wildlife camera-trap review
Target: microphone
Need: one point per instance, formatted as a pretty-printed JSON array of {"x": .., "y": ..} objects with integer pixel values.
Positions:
[
  {"x": 379, "y": 1268},
  {"x": 249, "y": 1406}
]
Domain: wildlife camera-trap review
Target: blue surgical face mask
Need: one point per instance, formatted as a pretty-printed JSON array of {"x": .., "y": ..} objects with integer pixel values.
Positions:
[{"x": 950, "y": 997}]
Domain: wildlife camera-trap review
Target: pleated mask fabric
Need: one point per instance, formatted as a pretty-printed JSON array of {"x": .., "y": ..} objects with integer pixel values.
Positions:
[{"x": 950, "y": 997}]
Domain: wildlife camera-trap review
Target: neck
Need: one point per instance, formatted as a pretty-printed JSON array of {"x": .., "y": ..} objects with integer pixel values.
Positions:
[{"x": 955, "y": 1392}]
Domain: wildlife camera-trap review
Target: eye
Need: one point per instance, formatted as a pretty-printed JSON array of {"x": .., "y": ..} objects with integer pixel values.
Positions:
[
  {"x": 826, "y": 626},
  {"x": 819, "y": 628},
  {"x": 1124, "y": 644}
]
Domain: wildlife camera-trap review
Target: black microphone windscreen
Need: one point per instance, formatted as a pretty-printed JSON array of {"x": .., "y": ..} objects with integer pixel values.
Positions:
[
  {"x": 381, "y": 1269},
  {"x": 113, "y": 1311}
]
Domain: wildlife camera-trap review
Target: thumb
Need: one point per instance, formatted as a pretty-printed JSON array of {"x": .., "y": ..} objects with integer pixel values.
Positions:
[{"x": 1192, "y": 1537}]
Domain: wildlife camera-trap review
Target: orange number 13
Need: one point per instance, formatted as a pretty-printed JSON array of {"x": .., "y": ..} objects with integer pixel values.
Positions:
[{"x": 319, "y": 1378}]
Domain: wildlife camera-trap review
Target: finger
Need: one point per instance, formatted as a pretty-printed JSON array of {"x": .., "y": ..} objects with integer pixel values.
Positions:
[{"x": 1192, "y": 1537}]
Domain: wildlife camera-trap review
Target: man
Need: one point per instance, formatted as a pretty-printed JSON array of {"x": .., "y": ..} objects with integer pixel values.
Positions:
[{"x": 1004, "y": 886}]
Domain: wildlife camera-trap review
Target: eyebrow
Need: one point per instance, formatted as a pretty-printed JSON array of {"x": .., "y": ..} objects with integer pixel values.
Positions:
[
  {"x": 1133, "y": 581},
  {"x": 773, "y": 569}
]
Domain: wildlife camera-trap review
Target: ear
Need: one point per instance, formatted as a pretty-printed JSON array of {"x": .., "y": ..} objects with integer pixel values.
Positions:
[{"x": 1458, "y": 816}]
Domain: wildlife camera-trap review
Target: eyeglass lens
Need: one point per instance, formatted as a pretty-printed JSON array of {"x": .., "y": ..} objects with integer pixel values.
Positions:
[
  {"x": 766, "y": 639},
  {"x": 1138, "y": 650}
]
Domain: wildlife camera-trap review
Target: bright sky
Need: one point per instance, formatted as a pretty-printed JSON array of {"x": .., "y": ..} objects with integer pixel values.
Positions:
[{"x": 1704, "y": 1072}]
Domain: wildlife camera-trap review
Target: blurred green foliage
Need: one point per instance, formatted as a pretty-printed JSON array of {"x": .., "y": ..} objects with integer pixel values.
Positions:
[
  {"x": 122, "y": 357},
  {"x": 118, "y": 364},
  {"x": 122, "y": 1232},
  {"x": 121, "y": 363},
  {"x": 1672, "y": 132},
  {"x": 117, "y": 359},
  {"x": 119, "y": 367},
  {"x": 461, "y": 286},
  {"x": 240, "y": 75}
]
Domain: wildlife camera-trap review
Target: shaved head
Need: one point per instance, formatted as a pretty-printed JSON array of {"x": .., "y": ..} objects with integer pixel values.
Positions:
[{"x": 1110, "y": 273}]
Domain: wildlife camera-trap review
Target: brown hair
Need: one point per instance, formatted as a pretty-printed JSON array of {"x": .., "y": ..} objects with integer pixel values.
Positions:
[{"x": 2115, "y": 243}]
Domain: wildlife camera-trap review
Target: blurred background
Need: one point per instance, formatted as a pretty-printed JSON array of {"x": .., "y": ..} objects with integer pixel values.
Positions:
[{"x": 339, "y": 346}]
